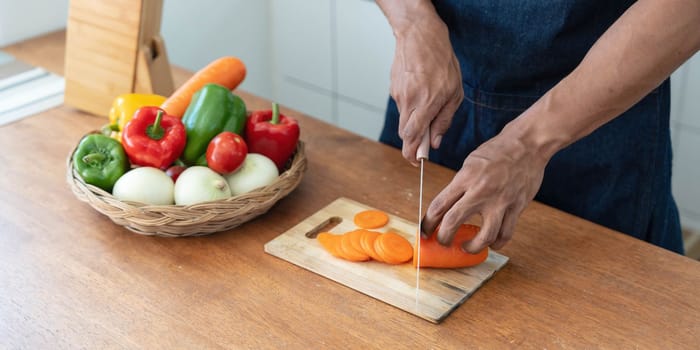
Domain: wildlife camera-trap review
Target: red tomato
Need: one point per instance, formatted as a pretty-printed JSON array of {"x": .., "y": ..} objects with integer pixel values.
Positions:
[
  {"x": 175, "y": 171},
  {"x": 226, "y": 152}
]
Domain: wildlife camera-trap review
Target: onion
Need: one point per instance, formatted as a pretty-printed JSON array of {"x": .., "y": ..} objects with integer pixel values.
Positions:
[
  {"x": 199, "y": 184},
  {"x": 145, "y": 185},
  {"x": 257, "y": 171}
]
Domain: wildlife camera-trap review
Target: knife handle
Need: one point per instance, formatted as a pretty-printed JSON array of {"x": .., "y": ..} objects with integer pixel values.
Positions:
[{"x": 424, "y": 147}]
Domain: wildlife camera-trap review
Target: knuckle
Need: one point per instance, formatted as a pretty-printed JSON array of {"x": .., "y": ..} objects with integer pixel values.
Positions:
[
  {"x": 451, "y": 220},
  {"x": 484, "y": 240}
]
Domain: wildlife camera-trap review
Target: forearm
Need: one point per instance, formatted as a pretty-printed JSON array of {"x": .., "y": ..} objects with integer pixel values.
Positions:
[
  {"x": 402, "y": 15},
  {"x": 634, "y": 56}
]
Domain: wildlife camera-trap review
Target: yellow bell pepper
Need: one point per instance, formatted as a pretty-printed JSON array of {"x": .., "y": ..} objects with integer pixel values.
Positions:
[{"x": 125, "y": 105}]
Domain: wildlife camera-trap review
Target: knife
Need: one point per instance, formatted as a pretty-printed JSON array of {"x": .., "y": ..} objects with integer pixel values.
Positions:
[{"x": 422, "y": 155}]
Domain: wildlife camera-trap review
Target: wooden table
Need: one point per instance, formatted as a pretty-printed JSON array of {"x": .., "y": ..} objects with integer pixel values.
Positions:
[{"x": 70, "y": 278}]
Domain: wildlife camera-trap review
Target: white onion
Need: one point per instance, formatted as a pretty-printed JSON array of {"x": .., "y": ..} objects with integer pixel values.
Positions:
[
  {"x": 255, "y": 172},
  {"x": 145, "y": 185},
  {"x": 199, "y": 184}
]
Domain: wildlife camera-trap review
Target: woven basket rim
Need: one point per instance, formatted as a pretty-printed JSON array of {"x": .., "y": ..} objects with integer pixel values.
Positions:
[{"x": 138, "y": 216}]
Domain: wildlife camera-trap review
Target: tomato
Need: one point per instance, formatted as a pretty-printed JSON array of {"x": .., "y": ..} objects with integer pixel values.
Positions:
[
  {"x": 226, "y": 152},
  {"x": 175, "y": 171}
]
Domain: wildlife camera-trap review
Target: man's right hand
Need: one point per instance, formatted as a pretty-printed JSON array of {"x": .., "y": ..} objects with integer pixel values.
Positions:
[{"x": 426, "y": 81}]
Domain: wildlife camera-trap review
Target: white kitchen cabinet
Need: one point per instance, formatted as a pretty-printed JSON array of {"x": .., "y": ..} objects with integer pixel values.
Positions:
[
  {"x": 685, "y": 134},
  {"x": 686, "y": 172},
  {"x": 301, "y": 41},
  {"x": 20, "y": 20},
  {"x": 365, "y": 46},
  {"x": 685, "y": 89},
  {"x": 220, "y": 28},
  {"x": 331, "y": 60},
  {"x": 298, "y": 96},
  {"x": 360, "y": 119}
]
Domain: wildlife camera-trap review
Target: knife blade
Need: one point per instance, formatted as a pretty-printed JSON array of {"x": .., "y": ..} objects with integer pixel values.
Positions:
[{"x": 422, "y": 155}]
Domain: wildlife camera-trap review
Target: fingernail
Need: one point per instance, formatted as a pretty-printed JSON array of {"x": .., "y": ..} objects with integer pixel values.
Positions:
[{"x": 438, "y": 140}]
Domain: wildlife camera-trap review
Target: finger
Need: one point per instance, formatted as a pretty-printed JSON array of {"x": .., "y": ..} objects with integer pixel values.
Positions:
[
  {"x": 507, "y": 229},
  {"x": 442, "y": 121},
  {"x": 488, "y": 232},
  {"x": 439, "y": 206},
  {"x": 413, "y": 132},
  {"x": 455, "y": 217},
  {"x": 404, "y": 116}
]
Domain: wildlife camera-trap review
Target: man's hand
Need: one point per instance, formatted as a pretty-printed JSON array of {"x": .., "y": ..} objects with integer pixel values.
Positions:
[
  {"x": 426, "y": 81},
  {"x": 497, "y": 180}
]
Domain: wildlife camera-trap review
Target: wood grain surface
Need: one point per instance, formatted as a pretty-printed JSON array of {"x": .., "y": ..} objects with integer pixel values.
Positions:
[
  {"x": 72, "y": 279},
  {"x": 440, "y": 291}
]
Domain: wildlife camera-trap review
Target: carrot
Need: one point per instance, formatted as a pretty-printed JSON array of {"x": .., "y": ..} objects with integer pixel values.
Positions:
[
  {"x": 369, "y": 219},
  {"x": 348, "y": 250},
  {"x": 393, "y": 248},
  {"x": 355, "y": 240},
  {"x": 367, "y": 242},
  {"x": 329, "y": 242},
  {"x": 227, "y": 71},
  {"x": 434, "y": 254}
]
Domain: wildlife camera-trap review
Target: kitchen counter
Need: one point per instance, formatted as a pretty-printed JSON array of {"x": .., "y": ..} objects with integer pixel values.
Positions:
[{"x": 70, "y": 278}]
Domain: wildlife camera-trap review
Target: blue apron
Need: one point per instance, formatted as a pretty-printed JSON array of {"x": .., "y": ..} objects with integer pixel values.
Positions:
[{"x": 510, "y": 54}]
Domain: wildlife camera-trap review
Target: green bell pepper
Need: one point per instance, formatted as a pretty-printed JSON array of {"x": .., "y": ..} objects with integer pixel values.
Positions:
[
  {"x": 100, "y": 161},
  {"x": 212, "y": 110}
]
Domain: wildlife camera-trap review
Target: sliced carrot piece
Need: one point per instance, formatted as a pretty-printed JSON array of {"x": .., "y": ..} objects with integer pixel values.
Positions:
[
  {"x": 370, "y": 219},
  {"x": 348, "y": 251},
  {"x": 434, "y": 254},
  {"x": 329, "y": 242},
  {"x": 367, "y": 242},
  {"x": 355, "y": 240},
  {"x": 393, "y": 248}
]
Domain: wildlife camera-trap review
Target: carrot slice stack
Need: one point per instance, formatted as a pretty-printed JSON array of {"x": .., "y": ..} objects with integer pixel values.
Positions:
[
  {"x": 367, "y": 242},
  {"x": 393, "y": 248},
  {"x": 330, "y": 243},
  {"x": 348, "y": 248}
]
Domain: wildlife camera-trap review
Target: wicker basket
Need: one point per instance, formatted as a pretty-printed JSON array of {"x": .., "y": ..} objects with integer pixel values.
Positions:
[{"x": 191, "y": 220}]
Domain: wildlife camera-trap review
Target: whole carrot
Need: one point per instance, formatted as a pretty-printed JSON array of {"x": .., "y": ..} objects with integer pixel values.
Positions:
[
  {"x": 433, "y": 254},
  {"x": 227, "y": 71}
]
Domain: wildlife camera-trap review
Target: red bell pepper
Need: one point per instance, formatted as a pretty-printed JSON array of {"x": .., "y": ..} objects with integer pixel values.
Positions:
[
  {"x": 272, "y": 134},
  {"x": 153, "y": 138}
]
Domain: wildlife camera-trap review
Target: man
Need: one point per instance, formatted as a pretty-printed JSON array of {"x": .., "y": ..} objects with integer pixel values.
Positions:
[{"x": 566, "y": 102}]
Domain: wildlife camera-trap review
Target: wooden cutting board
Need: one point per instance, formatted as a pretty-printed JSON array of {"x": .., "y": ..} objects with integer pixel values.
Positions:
[{"x": 441, "y": 290}]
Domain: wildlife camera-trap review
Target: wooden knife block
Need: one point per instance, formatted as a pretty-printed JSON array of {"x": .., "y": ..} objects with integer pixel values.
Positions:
[{"x": 112, "y": 48}]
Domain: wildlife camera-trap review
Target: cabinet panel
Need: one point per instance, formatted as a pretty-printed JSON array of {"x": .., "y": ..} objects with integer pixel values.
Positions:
[
  {"x": 312, "y": 103},
  {"x": 689, "y": 110},
  {"x": 301, "y": 40},
  {"x": 360, "y": 120},
  {"x": 220, "y": 28},
  {"x": 365, "y": 50},
  {"x": 686, "y": 172}
]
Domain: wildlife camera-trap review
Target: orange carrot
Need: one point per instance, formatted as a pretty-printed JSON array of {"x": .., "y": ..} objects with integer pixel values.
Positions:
[
  {"x": 369, "y": 219},
  {"x": 355, "y": 240},
  {"x": 348, "y": 251},
  {"x": 434, "y": 254},
  {"x": 329, "y": 242},
  {"x": 367, "y": 242},
  {"x": 393, "y": 248},
  {"x": 227, "y": 71}
]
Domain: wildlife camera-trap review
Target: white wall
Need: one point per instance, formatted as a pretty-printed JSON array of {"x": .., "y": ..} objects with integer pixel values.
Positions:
[{"x": 23, "y": 19}]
